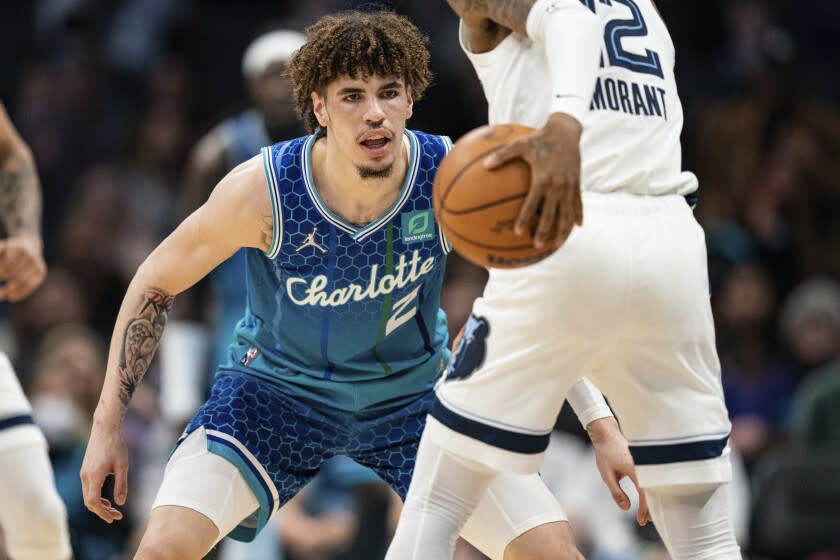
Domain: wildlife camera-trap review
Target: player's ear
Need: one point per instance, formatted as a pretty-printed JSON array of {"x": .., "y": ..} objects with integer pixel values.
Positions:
[
  {"x": 410, "y": 97},
  {"x": 319, "y": 107}
]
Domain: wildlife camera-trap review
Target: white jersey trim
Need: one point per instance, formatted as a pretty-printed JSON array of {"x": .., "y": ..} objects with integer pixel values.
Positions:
[
  {"x": 444, "y": 242},
  {"x": 276, "y": 208}
]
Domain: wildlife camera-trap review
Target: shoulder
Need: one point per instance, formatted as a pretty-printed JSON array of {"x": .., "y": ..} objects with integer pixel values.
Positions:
[
  {"x": 243, "y": 183},
  {"x": 240, "y": 204}
]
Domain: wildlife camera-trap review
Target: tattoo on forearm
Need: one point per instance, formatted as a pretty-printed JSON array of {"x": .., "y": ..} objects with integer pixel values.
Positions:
[
  {"x": 141, "y": 340},
  {"x": 20, "y": 197},
  {"x": 512, "y": 14}
]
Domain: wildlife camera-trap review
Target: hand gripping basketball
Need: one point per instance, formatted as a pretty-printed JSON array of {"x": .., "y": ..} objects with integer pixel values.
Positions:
[{"x": 479, "y": 208}]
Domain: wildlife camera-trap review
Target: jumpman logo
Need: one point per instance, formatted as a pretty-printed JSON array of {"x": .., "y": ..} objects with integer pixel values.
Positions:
[{"x": 309, "y": 241}]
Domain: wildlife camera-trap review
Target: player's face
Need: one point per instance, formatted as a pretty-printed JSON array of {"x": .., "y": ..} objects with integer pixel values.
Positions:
[{"x": 366, "y": 118}]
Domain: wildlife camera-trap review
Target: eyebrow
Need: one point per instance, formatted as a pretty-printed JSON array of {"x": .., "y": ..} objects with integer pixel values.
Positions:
[{"x": 348, "y": 90}]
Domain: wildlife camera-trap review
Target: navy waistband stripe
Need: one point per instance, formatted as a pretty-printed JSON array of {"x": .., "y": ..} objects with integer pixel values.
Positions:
[
  {"x": 678, "y": 452},
  {"x": 13, "y": 421},
  {"x": 497, "y": 437}
]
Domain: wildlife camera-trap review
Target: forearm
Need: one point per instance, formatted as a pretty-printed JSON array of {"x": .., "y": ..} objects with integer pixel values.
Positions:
[
  {"x": 135, "y": 340},
  {"x": 588, "y": 402},
  {"x": 572, "y": 37},
  {"x": 20, "y": 194}
]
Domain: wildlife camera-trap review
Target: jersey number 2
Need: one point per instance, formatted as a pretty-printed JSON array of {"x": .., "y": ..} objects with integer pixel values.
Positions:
[
  {"x": 402, "y": 312},
  {"x": 618, "y": 29}
]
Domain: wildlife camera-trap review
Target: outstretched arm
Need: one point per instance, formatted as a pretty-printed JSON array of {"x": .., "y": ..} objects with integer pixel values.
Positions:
[
  {"x": 21, "y": 262},
  {"x": 230, "y": 219}
]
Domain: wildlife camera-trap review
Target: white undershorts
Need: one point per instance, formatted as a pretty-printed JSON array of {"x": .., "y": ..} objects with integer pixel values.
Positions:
[{"x": 200, "y": 480}]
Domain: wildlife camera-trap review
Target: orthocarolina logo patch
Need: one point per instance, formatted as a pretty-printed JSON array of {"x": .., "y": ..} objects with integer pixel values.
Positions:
[
  {"x": 471, "y": 351},
  {"x": 418, "y": 226}
]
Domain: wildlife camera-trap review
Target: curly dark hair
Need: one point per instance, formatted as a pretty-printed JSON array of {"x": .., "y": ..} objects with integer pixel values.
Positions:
[{"x": 358, "y": 44}]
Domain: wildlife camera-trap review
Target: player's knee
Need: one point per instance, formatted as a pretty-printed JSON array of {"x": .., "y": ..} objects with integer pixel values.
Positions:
[
  {"x": 154, "y": 546},
  {"x": 566, "y": 551},
  {"x": 551, "y": 541},
  {"x": 156, "y": 550}
]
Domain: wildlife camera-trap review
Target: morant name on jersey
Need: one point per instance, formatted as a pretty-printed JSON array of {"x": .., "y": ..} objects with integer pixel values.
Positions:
[
  {"x": 629, "y": 97},
  {"x": 630, "y": 141}
]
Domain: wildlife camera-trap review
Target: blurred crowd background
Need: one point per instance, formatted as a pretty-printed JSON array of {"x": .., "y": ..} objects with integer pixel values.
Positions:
[{"x": 113, "y": 96}]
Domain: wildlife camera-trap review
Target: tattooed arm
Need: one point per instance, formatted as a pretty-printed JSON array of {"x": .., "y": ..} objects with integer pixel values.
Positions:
[
  {"x": 21, "y": 262},
  {"x": 509, "y": 14},
  {"x": 230, "y": 219}
]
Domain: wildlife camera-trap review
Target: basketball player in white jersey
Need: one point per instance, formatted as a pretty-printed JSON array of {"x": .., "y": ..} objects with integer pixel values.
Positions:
[
  {"x": 32, "y": 516},
  {"x": 624, "y": 300}
]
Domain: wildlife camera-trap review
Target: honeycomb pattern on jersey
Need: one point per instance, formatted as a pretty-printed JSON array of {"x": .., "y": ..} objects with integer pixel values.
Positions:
[
  {"x": 291, "y": 440},
  {"x": 347, "y": 261}
]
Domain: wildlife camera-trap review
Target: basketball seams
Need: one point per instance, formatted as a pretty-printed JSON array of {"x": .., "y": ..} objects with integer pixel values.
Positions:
[
  {"x": 451, "y": 232},
  {"x": 463, "y": 170},
  {"x": 485, "y": 206},
  {"x": 483, "y": 198}
]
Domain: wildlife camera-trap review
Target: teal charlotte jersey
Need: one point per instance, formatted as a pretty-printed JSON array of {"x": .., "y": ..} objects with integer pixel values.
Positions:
[{"x": 332, "y": 304}]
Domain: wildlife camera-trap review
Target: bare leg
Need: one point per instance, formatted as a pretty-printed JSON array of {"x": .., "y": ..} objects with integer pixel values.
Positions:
[
  {"x": 177, "y": 533},
  {"x": 551, "y": 541}
]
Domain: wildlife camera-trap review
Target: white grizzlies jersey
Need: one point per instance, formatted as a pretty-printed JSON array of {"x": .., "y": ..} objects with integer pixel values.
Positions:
[{"x": 631, "y": 137}]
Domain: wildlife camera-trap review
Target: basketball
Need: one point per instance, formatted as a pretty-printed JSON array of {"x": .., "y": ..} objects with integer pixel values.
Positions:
[{"x": 477, "y": 207}]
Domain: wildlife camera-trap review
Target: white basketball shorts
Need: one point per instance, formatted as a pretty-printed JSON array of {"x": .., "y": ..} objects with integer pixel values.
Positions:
[{"x": 625, "y": 302}]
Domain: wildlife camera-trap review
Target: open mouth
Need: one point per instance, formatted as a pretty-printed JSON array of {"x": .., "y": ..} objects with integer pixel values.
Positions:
[{"x": 375, "y": 142}]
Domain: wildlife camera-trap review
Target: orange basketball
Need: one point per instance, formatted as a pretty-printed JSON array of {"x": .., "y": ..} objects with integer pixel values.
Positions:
[{"x": 477, "y": 207}]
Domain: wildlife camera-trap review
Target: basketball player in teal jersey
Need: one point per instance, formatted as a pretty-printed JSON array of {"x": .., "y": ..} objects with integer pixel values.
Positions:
[{"x": 342, "y": 338}]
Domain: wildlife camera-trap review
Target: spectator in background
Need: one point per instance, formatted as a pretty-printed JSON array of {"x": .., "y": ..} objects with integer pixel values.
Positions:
[
  {"x": 811, "y": 320},
  {"x": 810, "y": 324},
  {"x": 757, "y": 382},
  {"x": 58, "y": 300},
  {"x": 235, "y": 140}
]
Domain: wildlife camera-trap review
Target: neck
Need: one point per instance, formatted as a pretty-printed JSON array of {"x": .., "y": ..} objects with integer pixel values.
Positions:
[{"x": 357, "y": 200}]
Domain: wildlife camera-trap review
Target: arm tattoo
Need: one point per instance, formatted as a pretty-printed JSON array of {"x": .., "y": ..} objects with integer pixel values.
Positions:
[
  {"x": 20, "y": 197},
  {"x": 142, "y": 337},
  {"x": 512, "y": 14}
]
